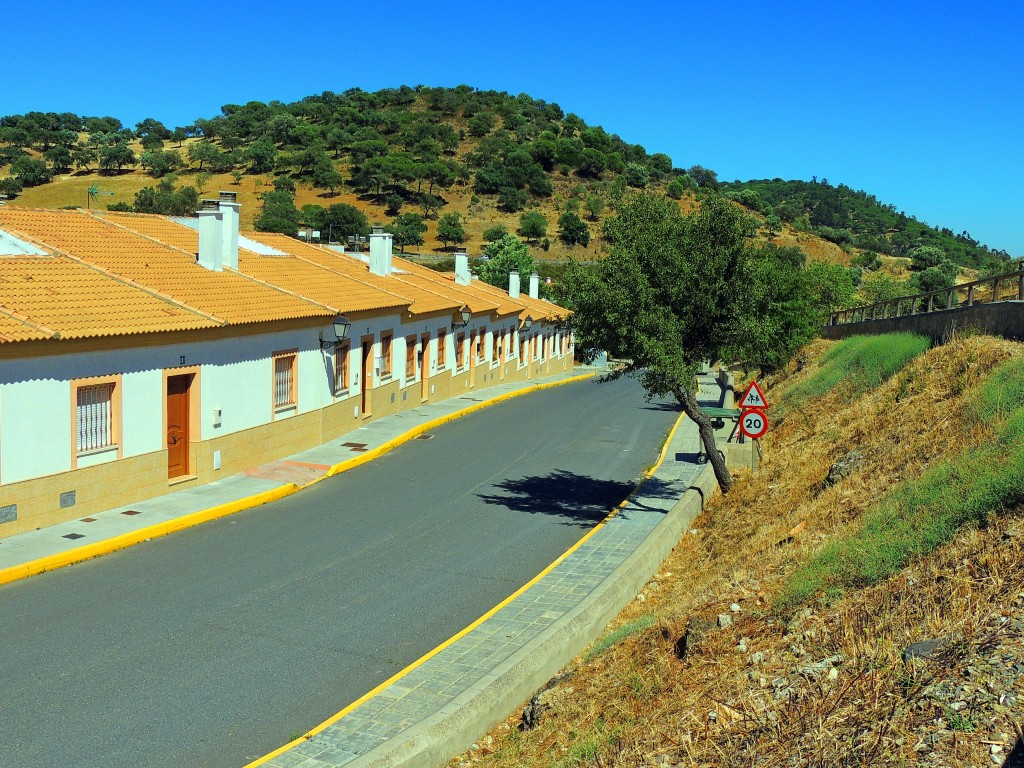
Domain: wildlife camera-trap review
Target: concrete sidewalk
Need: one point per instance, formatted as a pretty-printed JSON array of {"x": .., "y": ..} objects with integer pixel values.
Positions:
[
  {"x": 32, "y": 552},
  {"x": 439, "y": 705}
]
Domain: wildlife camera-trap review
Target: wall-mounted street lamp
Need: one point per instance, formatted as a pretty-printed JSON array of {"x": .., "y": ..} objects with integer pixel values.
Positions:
[
  {"x": 461, "y": 318},
  {"x": 341, "y": 329},
  {"x": 526, "y": 325}
]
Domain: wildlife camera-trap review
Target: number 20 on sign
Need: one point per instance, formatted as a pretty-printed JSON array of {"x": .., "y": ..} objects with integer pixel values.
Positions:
[{"x": 753, "y": 423}]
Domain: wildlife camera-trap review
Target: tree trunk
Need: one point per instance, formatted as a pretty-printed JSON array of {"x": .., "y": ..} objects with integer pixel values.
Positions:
[{"x": 707, "y": 436}]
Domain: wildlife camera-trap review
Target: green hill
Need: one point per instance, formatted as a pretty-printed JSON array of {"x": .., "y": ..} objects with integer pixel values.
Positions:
[
  {"x": 855, "y": 218},
  {"x": 485, "y": 155},
  {"x": 428, "y": 155}
]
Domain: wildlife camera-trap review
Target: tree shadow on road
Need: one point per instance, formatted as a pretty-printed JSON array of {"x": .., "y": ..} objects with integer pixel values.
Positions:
[
  {"x": 579, "y": 499},
  {"x": 663, "y": 405}
]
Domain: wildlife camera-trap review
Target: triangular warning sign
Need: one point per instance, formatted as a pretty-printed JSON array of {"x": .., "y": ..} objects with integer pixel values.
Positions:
[{"x": 753, "y": 397}]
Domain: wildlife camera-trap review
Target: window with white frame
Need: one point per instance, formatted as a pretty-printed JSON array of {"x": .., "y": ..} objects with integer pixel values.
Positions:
[{"x": 94, "y": 417}]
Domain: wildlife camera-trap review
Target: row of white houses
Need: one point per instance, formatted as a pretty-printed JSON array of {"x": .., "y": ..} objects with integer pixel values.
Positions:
[{"x": 139, "y": 353}]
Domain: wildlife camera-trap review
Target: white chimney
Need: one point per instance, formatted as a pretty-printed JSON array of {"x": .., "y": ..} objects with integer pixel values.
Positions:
[
  {"x": 513, "y": 283},
  {"x": 380, "y": 252},
  {"x": 229, "y": 229},
  {"x": 211, "y": 237},
  {"x": 462, "y": 275},
  {"x": 534, "y": 286}
]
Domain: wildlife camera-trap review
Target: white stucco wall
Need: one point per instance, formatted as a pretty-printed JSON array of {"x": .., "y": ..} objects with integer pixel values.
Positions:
[
  {"x": 35, "y": 428},
  {"x": 236, "y": 377},
  {"x": 142, "y": 393}
]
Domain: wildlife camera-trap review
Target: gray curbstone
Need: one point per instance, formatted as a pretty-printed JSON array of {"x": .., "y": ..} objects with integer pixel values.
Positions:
[{"x": 451, "y": 731}]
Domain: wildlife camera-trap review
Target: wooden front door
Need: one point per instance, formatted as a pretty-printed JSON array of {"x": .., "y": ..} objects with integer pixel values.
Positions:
[
  {"x": 367, "y": 382},
  {"x": 425, "y": 365},
  {"x": 472, "y": 359},
  {"x": 177, "y": 425}
]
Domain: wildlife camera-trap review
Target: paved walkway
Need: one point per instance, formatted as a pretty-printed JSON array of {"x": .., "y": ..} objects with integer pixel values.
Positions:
[{"x": 300, "y": 469}]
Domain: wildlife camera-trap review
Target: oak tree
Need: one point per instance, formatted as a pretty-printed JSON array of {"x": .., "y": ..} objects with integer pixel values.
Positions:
[
  {"x": 450, "y": 229},
  {"x": 676, "y": 291},
  {"x": 504, "y": 255}
]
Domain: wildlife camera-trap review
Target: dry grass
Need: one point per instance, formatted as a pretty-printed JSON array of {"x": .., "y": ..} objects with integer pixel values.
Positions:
[
  {"x": 815, "y": 247},
  {"x": 751, "y": 694},
  {"x": 70, "y": 189}
]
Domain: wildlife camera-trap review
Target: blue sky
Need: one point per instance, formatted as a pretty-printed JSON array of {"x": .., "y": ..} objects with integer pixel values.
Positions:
[{"x": 918, "y": 103}]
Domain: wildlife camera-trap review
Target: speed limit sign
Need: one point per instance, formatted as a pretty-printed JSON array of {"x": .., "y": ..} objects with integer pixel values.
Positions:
[{"x": 753, "y": 423}]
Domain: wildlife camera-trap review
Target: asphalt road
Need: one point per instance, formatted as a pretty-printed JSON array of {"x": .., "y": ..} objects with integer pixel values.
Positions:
[{"x": 218, "y": 644}]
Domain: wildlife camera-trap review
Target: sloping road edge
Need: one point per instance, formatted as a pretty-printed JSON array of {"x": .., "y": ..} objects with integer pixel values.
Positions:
[
  {"x": 451, "y": 731},
  {"x": 158, "y": 530}
]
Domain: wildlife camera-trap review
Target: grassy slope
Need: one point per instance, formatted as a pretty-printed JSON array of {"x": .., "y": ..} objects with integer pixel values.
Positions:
[{"x": 749, "y": 694}]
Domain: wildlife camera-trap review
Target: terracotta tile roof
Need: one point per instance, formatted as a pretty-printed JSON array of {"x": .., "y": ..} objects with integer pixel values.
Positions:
[
  {"x": 431, "y": 298},
  {"x": 16, "y": 327},
  {"x": 422, "y": 299},
  {"x": 535, "y": 308},
  {"x": 498, "y": 302},
  {"x": 56, "y": 297},
  {"x": 117, "y": 274},
  {"x": 155, "y": 266},
  {"x": 319, "y": 283},
  {"x": 161, "y": 228},
  {"x": 304, "y": 278}
]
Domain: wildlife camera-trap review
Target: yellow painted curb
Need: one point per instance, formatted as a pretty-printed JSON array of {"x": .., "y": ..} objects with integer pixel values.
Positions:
[
  {"x": 155, "y": 531},
  {"x": 664, "y": 448},
  {"x": 462, "y": 633}
]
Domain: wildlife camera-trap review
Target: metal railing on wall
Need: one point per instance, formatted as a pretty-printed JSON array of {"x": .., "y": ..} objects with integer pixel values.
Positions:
[{"x": 1008, "y": 286}]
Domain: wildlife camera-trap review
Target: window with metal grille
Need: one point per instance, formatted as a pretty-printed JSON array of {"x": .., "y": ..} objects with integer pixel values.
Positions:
[
  {"x": 94, "y": 417},
  {"x": 284, "y": 381},
  {"x": 480, "y": 344}
]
